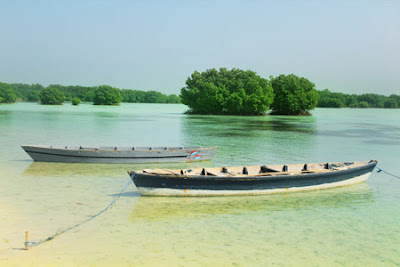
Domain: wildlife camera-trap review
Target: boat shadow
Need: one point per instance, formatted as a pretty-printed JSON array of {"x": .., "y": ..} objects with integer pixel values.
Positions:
[
  {"x": 126, "y": 194},
  {"x": 175, "y": 208},
  {"x": 103, "y": 170}
]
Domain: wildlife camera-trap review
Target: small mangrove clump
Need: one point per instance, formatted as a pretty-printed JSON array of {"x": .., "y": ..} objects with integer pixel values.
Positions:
[
  {"x": 293, "y": 95},
  {"x": 75, "y": 101},
  {"x": 107, "y": 95},
  {"x": 51, "y": 96}
]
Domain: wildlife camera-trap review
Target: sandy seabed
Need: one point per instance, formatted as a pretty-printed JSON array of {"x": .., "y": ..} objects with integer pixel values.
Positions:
[{"x": 151, "y": 231}]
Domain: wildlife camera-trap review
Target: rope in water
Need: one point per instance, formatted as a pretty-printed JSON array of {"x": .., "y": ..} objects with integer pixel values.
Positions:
[
  {"x": 380, "y": 170},
  {"x": 33, "y": 244}
]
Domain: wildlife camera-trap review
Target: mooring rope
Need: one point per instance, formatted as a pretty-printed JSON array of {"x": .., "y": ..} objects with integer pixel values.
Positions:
[
  {"x": 380, "y": 170},
  {"x": 33, "y": 244}
]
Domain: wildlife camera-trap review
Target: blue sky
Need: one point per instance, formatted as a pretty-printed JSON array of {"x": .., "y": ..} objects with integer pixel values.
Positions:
[{"x": 346, "y": 46}]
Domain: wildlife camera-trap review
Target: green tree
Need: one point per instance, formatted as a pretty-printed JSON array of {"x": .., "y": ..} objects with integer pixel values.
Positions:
[
  {"x": 396, "y": 98},
  {"x": 7, "y": 94},
  {"x": 27, "y": 92},
  {"x": 136, "y": 96},
  {"x": 33, "y": 96},
  {"x": 51, "y": 96},
  {"x": 107, "y": 95},
  {"x": 129, "y": 96},
  {"x": 330, "y": 102},
  {"x": 75, "y": 101},
  {"x": 293, "y": 95},
  {"x": 328, "y": 99},
  {"x": 363, "y": 104},
  {"x": 373, "y": 100},
  {"x": 351, "y": 100},
  {"x": 390, "y": 103},
  {"x": 233, "y": 92},
  {"x": 173, "y": 99},
  {"x": 155, "y": 97}
]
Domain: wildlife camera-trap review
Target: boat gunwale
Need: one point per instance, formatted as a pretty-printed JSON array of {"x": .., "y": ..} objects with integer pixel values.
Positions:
[
  {"x": 88, "y": 149},
  {"x": 264, "y": 176}
]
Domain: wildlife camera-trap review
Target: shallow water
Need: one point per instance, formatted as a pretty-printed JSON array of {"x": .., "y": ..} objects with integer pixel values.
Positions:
[{"x": 354, "y": 225}]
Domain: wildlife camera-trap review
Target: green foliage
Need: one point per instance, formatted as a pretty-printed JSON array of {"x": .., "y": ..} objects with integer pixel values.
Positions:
[
  {"x": 27, "y": 92},
  {"x": 331, "y": 100},
  {"x": 233, "y": 92},
  {"x": 7, "y": 94},
  {"x": 107, "y": 95},
  {"x": 372, "y": 100},
  {"x": 338, "y": 100},
  {"x": 173, "y": 99},
  {"x": 395, "y": 99},
  {"x": 136, "y": 96},
  {"x": 390, "y": 103},
  {"x": 363, "y": 104},
  {"x": 31, "y": 92},
  {"x": 51, "y": 96},
  {"x": 33, "y": 96},
  {"x": 85, "y": 93},
  {"x": 75, "y": 101},
  {"x": 155, "y": 97},
  {"x": 132, "y": 96},
  {"x": 293, "y": 95}
]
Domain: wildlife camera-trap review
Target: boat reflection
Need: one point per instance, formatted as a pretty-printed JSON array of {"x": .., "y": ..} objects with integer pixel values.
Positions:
[
  {"x": 195, "y": 126},
  {"x": 172, "y": 208},
  {"x": 108, "y": 170},
  {"x": 238, "y": 135}
]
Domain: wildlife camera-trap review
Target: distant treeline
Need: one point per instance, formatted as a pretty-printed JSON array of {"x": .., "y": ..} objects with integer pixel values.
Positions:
[
  {"x": 31, "y": 93},
  {"x": 328, "y": 99}
]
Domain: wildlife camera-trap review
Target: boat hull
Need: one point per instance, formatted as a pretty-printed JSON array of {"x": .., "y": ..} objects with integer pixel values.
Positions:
[
  {"x": 120, "y": 155},
  {"x": 157, "y": 185}
]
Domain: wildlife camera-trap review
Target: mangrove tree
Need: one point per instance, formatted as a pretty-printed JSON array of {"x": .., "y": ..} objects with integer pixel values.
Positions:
[
  {"x": 293, "y": 95},
  {"x": 231, "y": 92}
]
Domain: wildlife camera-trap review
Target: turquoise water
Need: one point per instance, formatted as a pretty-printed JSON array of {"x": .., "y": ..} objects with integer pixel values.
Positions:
[{"x": 355, "y": 225}]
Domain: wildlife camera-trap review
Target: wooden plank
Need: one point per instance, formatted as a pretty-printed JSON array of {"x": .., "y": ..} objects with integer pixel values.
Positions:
[
  {"x": 289, "y": 172},
  {"x": 156, "y": 171},
  {"x": 176, "y": 172}
]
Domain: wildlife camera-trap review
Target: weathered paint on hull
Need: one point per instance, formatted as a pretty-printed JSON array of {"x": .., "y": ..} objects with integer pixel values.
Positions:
[
  {"x": 145, "y": 191},
  {"x": 185, "y": 185}
]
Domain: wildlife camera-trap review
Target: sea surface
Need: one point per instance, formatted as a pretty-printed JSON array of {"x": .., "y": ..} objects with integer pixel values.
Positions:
[{"x": 357, "y": 225}]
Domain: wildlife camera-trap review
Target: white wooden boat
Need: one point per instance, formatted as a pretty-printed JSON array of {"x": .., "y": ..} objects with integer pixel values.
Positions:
[{"x": 79, "y": 154}]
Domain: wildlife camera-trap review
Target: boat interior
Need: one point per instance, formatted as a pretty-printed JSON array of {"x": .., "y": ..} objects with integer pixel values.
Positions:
[{"x": 258, "y": 170}]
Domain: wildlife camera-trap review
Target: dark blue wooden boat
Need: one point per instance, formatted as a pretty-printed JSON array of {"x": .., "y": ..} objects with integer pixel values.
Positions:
[{"x": 250, "y": 180}]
